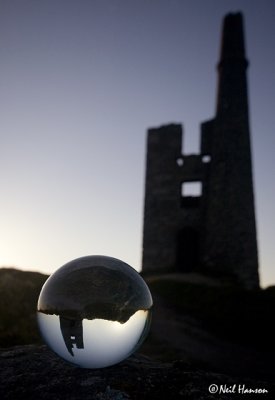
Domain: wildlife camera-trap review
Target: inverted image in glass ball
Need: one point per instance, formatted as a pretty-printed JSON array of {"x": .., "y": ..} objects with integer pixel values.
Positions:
[{"x": 94, "y": 311}]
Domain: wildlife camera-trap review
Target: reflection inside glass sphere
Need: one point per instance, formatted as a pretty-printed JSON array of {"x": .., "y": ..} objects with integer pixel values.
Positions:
[{"x": 94, "y": 311}]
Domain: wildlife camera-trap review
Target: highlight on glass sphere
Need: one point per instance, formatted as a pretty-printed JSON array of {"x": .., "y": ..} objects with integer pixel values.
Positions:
[{"x": 94, "y": 311}]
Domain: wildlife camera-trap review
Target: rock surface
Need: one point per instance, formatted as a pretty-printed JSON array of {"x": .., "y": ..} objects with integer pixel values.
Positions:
[{"x": 34, "y": 372}]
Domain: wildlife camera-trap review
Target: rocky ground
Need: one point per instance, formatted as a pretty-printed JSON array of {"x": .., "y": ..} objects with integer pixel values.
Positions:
[
  {"x": 34, "y": 372},
  {"x": 202, "y": 334}
]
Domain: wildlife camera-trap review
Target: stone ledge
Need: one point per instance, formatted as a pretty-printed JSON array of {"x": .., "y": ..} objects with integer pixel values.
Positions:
[{"x": 34, "y": 372}]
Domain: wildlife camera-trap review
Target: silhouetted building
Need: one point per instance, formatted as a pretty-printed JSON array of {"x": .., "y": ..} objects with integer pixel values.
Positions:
[
  {"x": 199, "y": 209},
  {"x": 72, "y": 332}
]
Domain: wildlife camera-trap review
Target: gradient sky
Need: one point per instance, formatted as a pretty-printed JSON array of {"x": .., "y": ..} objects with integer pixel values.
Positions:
[{"x": 80, "y": 83}]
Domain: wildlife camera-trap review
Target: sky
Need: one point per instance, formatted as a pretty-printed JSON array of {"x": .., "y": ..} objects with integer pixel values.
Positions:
[
  {"x": 106, "y": 342},
  {"x": 81, "y": 81}
]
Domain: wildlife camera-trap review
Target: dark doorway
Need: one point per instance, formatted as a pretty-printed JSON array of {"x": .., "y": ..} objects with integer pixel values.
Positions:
[{"x": 187, "y": 250}]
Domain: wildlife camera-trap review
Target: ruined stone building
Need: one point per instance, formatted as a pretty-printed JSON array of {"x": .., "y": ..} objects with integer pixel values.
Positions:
[{"x": 199, "y": 209}]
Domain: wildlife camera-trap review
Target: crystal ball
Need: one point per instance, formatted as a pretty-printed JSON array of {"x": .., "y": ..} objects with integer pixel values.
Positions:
[{"x": 94, "y": 311}]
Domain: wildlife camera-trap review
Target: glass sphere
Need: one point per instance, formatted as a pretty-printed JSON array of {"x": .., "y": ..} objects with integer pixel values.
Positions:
[{"x": 94, "y": 311}]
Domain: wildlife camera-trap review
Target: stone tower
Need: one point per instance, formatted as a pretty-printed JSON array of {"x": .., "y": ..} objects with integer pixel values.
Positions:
[{"x": 199, "y": 209}]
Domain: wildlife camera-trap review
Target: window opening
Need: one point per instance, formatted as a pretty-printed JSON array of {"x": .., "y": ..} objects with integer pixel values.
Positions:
[{"x": 193, "y": 189}]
